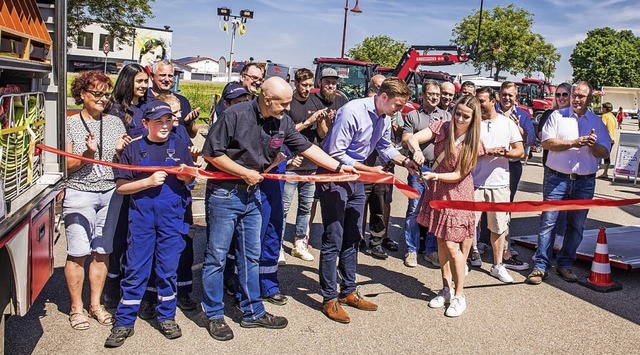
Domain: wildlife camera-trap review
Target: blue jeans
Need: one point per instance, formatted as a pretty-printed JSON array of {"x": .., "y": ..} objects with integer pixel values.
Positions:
[
  {"x": 342, "y": 205},
  {"x": 558, "y": 187},
  {"x": 230, "y": 210},
  {"x": 411, "y": 227},
  {"x": 306, "y": 191}
]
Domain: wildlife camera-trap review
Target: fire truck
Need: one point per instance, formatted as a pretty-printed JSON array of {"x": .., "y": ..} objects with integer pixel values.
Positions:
[{"x": 32, "y": 111}]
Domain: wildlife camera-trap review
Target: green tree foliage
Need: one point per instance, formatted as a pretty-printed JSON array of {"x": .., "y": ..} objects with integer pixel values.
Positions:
[
  {"x": 383, "y": 50},
  {"x": 607, "y": 58},
  {"x": 119, "y": 17},
  {"x": 507, "y": 42}
]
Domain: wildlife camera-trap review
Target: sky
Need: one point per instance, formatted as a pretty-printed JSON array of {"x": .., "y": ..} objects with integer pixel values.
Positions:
[{"x": 294, "y": 32}]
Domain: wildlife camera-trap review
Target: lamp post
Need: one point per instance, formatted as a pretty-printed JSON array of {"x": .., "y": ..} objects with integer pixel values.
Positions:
[
  {"x": 237, "y": 22},
  {"x": 356, "y": 10}
]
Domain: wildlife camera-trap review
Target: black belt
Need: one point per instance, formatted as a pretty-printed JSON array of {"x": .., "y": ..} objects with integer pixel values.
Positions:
[
  {"x": 233, "y": 184},
  {"x": 573, "y": 176}
]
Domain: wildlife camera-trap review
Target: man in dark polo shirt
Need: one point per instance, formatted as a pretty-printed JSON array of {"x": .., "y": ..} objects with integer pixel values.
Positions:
[
  {"x": 244, "y": 142},
  {"x": 327, "y": 98},
  {"x": 163, "y": 80}
]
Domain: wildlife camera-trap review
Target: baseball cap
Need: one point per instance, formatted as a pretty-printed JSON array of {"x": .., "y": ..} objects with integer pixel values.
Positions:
[
  {"x": 233, "y": 91},
  {"x": 329, "y": 73},
  {"x": 157, "y": 109}
]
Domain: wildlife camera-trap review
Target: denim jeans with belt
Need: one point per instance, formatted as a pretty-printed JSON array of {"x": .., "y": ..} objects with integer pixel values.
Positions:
[
  {"x": 561, "y": 187},
  {"x": 228, "y": 210},
  {"x": 342, "y": 205}
]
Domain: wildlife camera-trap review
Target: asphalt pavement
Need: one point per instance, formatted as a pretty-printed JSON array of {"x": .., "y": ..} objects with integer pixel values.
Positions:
[{"x": 554, "y": 317}]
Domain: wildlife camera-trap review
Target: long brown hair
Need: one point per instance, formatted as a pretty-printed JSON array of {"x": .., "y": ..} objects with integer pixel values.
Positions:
[{"x": 469, "y": 150}]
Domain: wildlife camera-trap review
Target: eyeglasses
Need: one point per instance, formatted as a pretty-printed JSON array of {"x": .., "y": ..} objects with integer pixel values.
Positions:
[
  {"x": 564, "y": 94},
  {"x": 253, "y": 77},
  {"x": 99, "y": 94}
]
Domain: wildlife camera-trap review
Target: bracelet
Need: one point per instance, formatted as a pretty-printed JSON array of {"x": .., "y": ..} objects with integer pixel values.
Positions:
[
  {"x": 405, "y": 161},
  {"x": 306, "y": 124},
  {"x": 339, "y": 167}
]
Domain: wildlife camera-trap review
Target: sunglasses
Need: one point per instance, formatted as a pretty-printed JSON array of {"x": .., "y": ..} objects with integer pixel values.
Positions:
[
  {"x": 99, "y": 94},
  {"x": 564, "y": 94}
]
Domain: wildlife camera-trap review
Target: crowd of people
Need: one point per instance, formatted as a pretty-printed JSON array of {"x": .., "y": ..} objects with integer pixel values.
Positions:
[{"x": 135, "y": 224}]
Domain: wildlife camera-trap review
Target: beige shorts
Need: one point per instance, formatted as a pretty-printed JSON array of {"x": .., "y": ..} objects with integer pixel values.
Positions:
[{"x": 497, "y": 222}]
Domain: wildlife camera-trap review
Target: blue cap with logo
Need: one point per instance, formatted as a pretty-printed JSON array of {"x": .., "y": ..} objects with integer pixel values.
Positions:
[
  {"x": 156, "y": 109},
  {"x": 233, "y": 91}
]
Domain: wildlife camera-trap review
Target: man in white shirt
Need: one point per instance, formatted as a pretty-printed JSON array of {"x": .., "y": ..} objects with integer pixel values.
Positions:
[
  {"x": 576, "y": 139},
  {"x": 503, "y": 141}
]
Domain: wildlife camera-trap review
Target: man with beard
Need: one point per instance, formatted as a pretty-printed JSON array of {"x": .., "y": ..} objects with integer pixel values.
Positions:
[
  {"x": 329, "y": 98},
  {"x": 163, "y": 80},
  {"x": 244, "y": 142},
  {"x": 503, "y": 141},
  {"x": 307, "y": 117},
  {"x": 447, "y": 92},
  {"x": 360, "y": 126},
  {"x": 416, "y": 121}
]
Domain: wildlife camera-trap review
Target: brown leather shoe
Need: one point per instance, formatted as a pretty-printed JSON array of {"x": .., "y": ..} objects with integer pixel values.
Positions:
[
  {"x": 354, "y": 299},
  {"x": 334, "y": 311}
]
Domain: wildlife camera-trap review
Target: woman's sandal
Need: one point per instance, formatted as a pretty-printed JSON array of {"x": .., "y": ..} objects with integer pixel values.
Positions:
[
  {"x": 79, "y": 320},
  {"x": 102, "y": 316}
]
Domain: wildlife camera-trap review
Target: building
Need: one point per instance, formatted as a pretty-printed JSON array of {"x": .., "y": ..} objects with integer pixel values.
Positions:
[
  {"x": 87, "y": 51},
  {"x": 201, "y": 68}
]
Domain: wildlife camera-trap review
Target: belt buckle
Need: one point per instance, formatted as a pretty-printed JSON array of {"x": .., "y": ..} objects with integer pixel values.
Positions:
[{"x": 573, "y": 176}]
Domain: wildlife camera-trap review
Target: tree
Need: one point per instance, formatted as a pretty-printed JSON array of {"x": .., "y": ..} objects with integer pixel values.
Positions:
[
  {"x": 607, "y": 58},
  {"x": 506, "y": 42},
  {"x": 382, "y": 50},
  {"x": 119, "y": 17}
]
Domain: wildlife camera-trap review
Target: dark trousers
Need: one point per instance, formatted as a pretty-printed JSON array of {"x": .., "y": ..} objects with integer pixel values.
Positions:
[
  {"x": 375, "y": 195},
  {"x": 515, "y": 173},
  {"x": 342, "y": 205}
]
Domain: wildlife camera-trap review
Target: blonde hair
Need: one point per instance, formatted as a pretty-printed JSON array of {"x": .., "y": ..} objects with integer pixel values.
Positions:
[{"x": 469, "y": 151}]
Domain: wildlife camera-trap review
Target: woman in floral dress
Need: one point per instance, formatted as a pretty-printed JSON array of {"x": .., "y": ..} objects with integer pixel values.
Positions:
[{"x": 457, "y": 146}]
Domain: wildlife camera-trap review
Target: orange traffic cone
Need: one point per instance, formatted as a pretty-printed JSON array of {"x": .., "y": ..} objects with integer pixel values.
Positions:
[{"x": 600, "y": 279}]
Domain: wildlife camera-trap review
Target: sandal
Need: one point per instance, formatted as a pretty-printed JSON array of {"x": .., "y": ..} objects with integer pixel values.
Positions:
[
  {"x": 79, "y": 320},
  {"x": 102, "y": 316}
]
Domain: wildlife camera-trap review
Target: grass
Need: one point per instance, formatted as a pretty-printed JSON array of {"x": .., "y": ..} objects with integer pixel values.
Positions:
[{"x": 199, "y": 93}]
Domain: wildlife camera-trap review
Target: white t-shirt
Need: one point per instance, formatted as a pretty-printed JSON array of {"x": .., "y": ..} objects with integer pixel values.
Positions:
[
  {"x": 493, "y": 172},
  {"x": 565, "y": 124}
]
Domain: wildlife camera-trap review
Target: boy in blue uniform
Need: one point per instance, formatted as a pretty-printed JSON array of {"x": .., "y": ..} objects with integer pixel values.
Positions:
[{"x": 156, "y": 215}]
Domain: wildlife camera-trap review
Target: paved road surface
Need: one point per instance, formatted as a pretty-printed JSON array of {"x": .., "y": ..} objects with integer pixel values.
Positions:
[{"x": 555, "y": 317}]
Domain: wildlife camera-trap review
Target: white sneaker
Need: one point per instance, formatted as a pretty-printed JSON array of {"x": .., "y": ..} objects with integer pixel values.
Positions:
[
  {"x": 457, "y": 306},
  {"x": 500, "y": 273},
  {"x": 443, "y": 297},
  {"x": 411, "y": 259},
  {"x": 301, "y": 251},
  {"x": 281, "y": 259},
  {"x": 432, "y": 258}
]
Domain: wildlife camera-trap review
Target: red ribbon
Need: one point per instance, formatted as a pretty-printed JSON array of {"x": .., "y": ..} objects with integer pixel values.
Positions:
[
  {"x": 531, "y": 206},
  {"x": 364, "y": 176}
]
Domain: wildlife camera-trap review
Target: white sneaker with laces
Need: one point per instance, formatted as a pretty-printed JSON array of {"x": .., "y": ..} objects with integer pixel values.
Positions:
[
  {"x": 500, "y": 273},
  {"x": 457, "y": 307},
  {"x": 443, "y": 297},
  {"x": 301, "y": 251},
  {"x": 281, "y": 259},
  {"x": 411, "y": 259}
]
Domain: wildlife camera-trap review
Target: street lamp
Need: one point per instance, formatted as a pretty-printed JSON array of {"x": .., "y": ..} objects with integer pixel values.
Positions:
[
  {"x": 237, "y": 22},
  {"x": 356, "y": 10}
]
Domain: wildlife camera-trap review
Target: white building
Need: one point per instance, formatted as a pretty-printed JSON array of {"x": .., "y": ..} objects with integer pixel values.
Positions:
[
  {"x": 201, "y": 68},
  {"x": 87, "y": 51}
]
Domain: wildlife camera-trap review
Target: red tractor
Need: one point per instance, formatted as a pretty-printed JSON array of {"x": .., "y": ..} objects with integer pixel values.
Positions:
[{"x": 537, "y": 95}]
